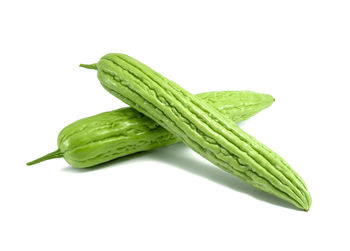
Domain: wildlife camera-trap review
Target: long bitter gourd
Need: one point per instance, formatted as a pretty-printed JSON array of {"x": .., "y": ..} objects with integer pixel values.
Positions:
[
  {"x": 94, "y": 140},
  {"x": 201, "y": 127}
]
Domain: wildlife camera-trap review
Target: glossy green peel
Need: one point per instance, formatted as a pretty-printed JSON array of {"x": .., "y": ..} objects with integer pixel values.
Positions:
[
  {"x": 103, "y": 137},
  {"x": 201, "y": 127}
]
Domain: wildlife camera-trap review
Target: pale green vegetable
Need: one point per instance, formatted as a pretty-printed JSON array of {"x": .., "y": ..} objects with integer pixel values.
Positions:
[
  {"x": 201, "y": 127},
  {"x": 109, "y": 135}
]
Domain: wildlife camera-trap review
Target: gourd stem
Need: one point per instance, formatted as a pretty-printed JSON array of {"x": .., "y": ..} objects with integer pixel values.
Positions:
[
  {"x": 55, "y": 154},
  {"x": 89, "y": 66}
]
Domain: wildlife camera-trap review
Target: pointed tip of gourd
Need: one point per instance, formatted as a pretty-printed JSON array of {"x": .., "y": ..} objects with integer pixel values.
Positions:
[
  {"x": 306, "y": 208},
  {"x": 272, "y": 98},
  {"x": 268, "y": 99},
  {"x": 308, "y": 201},
  {"x": 89, "y": 66}
]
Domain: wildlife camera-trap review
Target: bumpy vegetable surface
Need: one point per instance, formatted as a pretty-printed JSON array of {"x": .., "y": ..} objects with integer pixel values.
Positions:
[
  {"x": 109, "y": 135},
  {"x": 201, "y": 127}
]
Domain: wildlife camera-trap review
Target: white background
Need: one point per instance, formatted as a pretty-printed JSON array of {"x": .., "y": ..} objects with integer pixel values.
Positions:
[{"x": 171, "y": 198}]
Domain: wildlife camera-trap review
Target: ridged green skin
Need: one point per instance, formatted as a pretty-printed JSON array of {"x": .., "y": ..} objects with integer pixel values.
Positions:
[
  {"x": 106, "y": 136},
  {"x": 201, "y": 127}
]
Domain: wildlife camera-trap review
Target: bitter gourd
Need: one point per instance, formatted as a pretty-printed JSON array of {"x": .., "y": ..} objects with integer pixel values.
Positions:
[
  {"x": 201, "y": 127},
  {"x": 109, "y": 135}
]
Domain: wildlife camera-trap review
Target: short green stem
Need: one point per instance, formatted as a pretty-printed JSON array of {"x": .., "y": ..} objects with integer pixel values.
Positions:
[
  {"x": 53, "y": 155},
  {"x": 89, "y": 66}
]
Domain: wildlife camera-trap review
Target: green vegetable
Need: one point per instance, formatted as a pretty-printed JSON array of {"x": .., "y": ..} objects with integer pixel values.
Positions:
[
  {"x": 109, "y": 135},
  {"x": 201, "y": 127}
]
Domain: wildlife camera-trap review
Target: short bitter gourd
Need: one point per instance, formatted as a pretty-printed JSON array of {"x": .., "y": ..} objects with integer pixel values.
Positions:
[
  {"x": 94, "y": 140},
  {"x": 201, "y": 127}
]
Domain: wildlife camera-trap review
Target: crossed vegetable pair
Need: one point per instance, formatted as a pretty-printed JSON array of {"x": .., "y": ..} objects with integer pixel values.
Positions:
[{"x": 164, "y": 113}]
